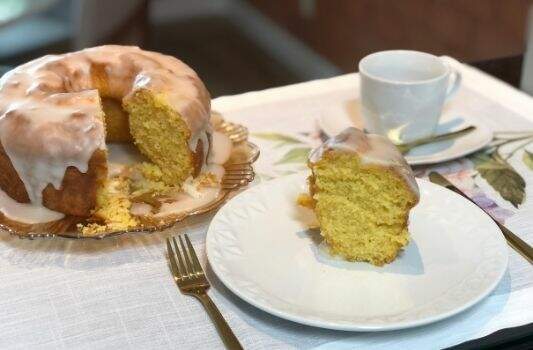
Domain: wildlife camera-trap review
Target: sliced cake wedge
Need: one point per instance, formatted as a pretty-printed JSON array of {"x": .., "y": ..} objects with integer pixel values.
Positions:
[{"x": 362, "y": 190}]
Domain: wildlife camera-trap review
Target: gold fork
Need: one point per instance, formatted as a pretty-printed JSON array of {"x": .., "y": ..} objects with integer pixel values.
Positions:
[
  {"x": 237, "y": 175},
  {"x": 191, "y": 280}
]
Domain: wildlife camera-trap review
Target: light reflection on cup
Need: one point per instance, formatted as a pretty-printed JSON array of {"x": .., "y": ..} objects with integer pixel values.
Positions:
[{"x": 403, "y": 92}]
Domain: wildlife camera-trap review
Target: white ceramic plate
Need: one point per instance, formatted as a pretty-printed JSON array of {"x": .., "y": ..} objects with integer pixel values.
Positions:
[
  {"x": 258, "y": 244},
  {"x": 335, "y": 119}
]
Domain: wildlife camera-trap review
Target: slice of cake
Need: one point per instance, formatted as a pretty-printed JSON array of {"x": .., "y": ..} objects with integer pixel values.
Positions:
[{"x": 361, "y": 190}]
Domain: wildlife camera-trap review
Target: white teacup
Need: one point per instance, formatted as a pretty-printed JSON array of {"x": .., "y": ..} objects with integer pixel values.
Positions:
[{"x": 402, "y": 93}]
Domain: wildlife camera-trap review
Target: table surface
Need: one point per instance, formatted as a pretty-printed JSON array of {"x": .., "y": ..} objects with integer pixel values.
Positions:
[{"x": 518, "y": 337}]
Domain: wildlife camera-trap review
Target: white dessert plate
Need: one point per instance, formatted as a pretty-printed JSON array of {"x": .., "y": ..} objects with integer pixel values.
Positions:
[
  {"x": 337, "y": 118},
  {"x": 260, "y": 246}
]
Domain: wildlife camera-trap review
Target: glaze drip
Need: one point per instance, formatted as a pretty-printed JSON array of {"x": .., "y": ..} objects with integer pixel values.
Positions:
[
  {"x": 372, "y": 149},
  {"x": 25, "y": 212},
  {"x": 50, "y": 112}
]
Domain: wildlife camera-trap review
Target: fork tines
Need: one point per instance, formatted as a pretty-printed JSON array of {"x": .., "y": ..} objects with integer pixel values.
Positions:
[
  {"x": 237, "y": 175},
  {"x": 186, "y": 268},
  {"x": 191, "y": 280}
]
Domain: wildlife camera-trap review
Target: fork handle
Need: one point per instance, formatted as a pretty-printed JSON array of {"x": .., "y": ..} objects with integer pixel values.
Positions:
[{"x": 229, "y": 339}]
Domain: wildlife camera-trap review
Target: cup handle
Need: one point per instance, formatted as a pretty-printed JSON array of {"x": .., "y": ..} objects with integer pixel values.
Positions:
[{"x": 454, "y": 83}]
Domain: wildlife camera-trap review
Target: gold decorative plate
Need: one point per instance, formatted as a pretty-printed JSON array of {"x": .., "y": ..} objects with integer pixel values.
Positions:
[{"x": 239, "y": 173}]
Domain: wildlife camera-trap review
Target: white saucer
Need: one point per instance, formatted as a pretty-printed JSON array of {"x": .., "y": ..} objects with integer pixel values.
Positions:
[
  {"x": 259, "y": 246},
  {"x": 335, "y": 119}
]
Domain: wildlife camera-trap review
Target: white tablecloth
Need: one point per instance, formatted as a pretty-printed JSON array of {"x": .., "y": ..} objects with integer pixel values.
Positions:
[{"x": 60, "y": 293}]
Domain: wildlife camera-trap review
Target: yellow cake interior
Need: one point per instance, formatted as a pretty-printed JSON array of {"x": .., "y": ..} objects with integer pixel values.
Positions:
[
  {"x": 162, "y": 136},
  {"x": 112, "y": 212},
  {"x": 362, "y": 209}
]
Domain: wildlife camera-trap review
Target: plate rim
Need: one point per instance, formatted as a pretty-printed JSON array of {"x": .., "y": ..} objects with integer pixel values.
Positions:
[
  {"x": 346, "y": 326},
  {"x": 432, "y": 159}
]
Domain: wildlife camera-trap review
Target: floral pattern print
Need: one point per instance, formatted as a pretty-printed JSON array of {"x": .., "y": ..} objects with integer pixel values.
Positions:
[{"x": 492, "y": 166}]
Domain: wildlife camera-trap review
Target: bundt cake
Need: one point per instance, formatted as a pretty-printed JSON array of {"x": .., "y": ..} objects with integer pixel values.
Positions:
[
  {"x": 361, "y": 190},
  {"x": 59, "y": 112}
]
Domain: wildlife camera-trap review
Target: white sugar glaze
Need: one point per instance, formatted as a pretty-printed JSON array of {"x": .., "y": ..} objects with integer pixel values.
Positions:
[
  {"x": 140, "y": 209},
  {"x": 42, "y": 141},
  {"x": 221, "y": 147},
  {"x": 26, "y": 212},
  {"x": 372, "y": 149},
  {"x": 184, "y": 202},
  {"x": 50, "y": 112}
]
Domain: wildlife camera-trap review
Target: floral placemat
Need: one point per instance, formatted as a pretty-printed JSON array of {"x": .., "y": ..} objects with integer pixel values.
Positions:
[
  {"x": 493, "y": 164},
  {"x": 494, "y": 177}
]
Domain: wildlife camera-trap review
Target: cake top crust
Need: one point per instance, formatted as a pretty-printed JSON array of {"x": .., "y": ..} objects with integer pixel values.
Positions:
[
  {"x": 371, "y": 149},
  {"x": 50, "y": 112}
]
